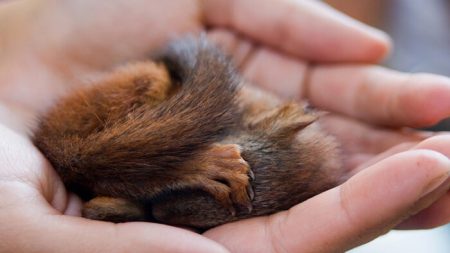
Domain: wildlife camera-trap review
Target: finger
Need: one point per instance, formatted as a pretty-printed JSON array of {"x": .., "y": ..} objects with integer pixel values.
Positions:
[
  {"x": 439, "y": 142},
  {"x": 59, "y": 233},
  {"x": 401, "y": 99},
  {"x": 275, "y": 72},
  {"x": 264, "y": 66},
  {"x": 381, "y": 96},
  {"x": 359, "y": 137},
  {"x": 30, "y": 224},
  {"x": 85, "y": 31},
  {"x": 373, "y": 159},
  {"x": 308, "y": 29},
  {"x": 437, "y": 214},
  {"x": 234, "y": 45},
  {"x": 92, "y": 236},
  {"x": 357, "y": 211}
]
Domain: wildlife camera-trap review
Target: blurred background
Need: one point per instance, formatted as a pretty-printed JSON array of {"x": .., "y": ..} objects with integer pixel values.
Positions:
[{"x": 421, "y": 34}]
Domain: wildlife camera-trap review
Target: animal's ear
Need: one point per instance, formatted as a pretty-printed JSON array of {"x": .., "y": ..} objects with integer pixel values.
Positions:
[
  {"x": 113, "y": 209},
  {"x": 284, "y": 121},
  {"x": 294, "y": 125}
]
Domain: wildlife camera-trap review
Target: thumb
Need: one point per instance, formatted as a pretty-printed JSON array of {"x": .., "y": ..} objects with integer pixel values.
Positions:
[{"x": 365, "y": 207}]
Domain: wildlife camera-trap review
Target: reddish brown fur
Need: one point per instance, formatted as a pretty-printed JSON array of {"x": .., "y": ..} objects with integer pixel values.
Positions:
[{"x": 174, "y": 142}]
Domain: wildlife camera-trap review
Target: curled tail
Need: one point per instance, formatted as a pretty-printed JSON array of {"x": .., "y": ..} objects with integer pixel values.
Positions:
[
  {"x": 202, "y": 111},
  {"x": 150, "y": 141}
]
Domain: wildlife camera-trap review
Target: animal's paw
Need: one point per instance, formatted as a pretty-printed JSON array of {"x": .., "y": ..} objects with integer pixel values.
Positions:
[
  {"x": 113, "y": 209},
  {"x": 226, "y": 175},
  {"x": 284, "y": 120}
]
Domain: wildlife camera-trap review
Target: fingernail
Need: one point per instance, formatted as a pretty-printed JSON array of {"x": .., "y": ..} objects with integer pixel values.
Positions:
[{"x": 435, "y": 183}]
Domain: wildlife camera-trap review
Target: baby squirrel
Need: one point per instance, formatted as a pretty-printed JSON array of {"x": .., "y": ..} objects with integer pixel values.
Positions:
[{"x": 182, "y": 140}]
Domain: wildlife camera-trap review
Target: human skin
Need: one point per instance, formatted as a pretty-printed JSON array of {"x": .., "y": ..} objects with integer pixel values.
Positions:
[{"x": 297, "y": 49}]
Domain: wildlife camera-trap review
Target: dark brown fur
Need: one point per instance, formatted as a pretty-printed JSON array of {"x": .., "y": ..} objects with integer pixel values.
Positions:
[{"x": 180, "y": 142}]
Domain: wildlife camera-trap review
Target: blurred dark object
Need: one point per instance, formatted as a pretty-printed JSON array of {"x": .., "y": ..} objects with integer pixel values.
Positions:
[{"x": 420, "y": 31}]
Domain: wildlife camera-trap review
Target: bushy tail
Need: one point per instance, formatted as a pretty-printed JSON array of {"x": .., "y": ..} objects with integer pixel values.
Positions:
[{"x": 152, "y": 140}]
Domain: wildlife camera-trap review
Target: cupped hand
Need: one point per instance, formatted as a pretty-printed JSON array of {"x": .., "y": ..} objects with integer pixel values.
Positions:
[
  {"x": 400, "y": 175},
  {"x": 38, "y": 215},
  {"x": 298, "y": 49}
]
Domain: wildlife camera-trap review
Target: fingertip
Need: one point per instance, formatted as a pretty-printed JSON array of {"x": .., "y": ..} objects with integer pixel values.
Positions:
[
  {"x": 439, "y": 143},
  {"x": 364, "y": 43},
  {"x": 379, "y": 45},
  {"x": 421, "y": 166},
  {"x": 383, "y": 194},
  {"x": 436, "y": 166},
  {"x": 425, "y": 100},
  {"x": 367, "y": 44},
  {"x": 438, "y": 98},
  {"x": 381, "y": 96},
  {"x": 311, "y": 30}
]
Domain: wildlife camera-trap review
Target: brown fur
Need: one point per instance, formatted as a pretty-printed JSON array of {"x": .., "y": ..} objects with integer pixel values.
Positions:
[{"x": 180, "y": 142}]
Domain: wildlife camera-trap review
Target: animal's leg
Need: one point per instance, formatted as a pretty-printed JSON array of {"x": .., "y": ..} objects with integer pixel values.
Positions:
[
  {"x": 111, "y": 99},
  {"x": 113, "y": 209}
]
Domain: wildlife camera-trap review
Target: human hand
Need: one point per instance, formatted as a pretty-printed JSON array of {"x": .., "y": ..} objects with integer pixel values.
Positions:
[
  {"x": 76, "y": 50},
  {"x": 37, "y": 214},
  {"x": 61, "y": 44},
  {"x": 372, "y": 109}
]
